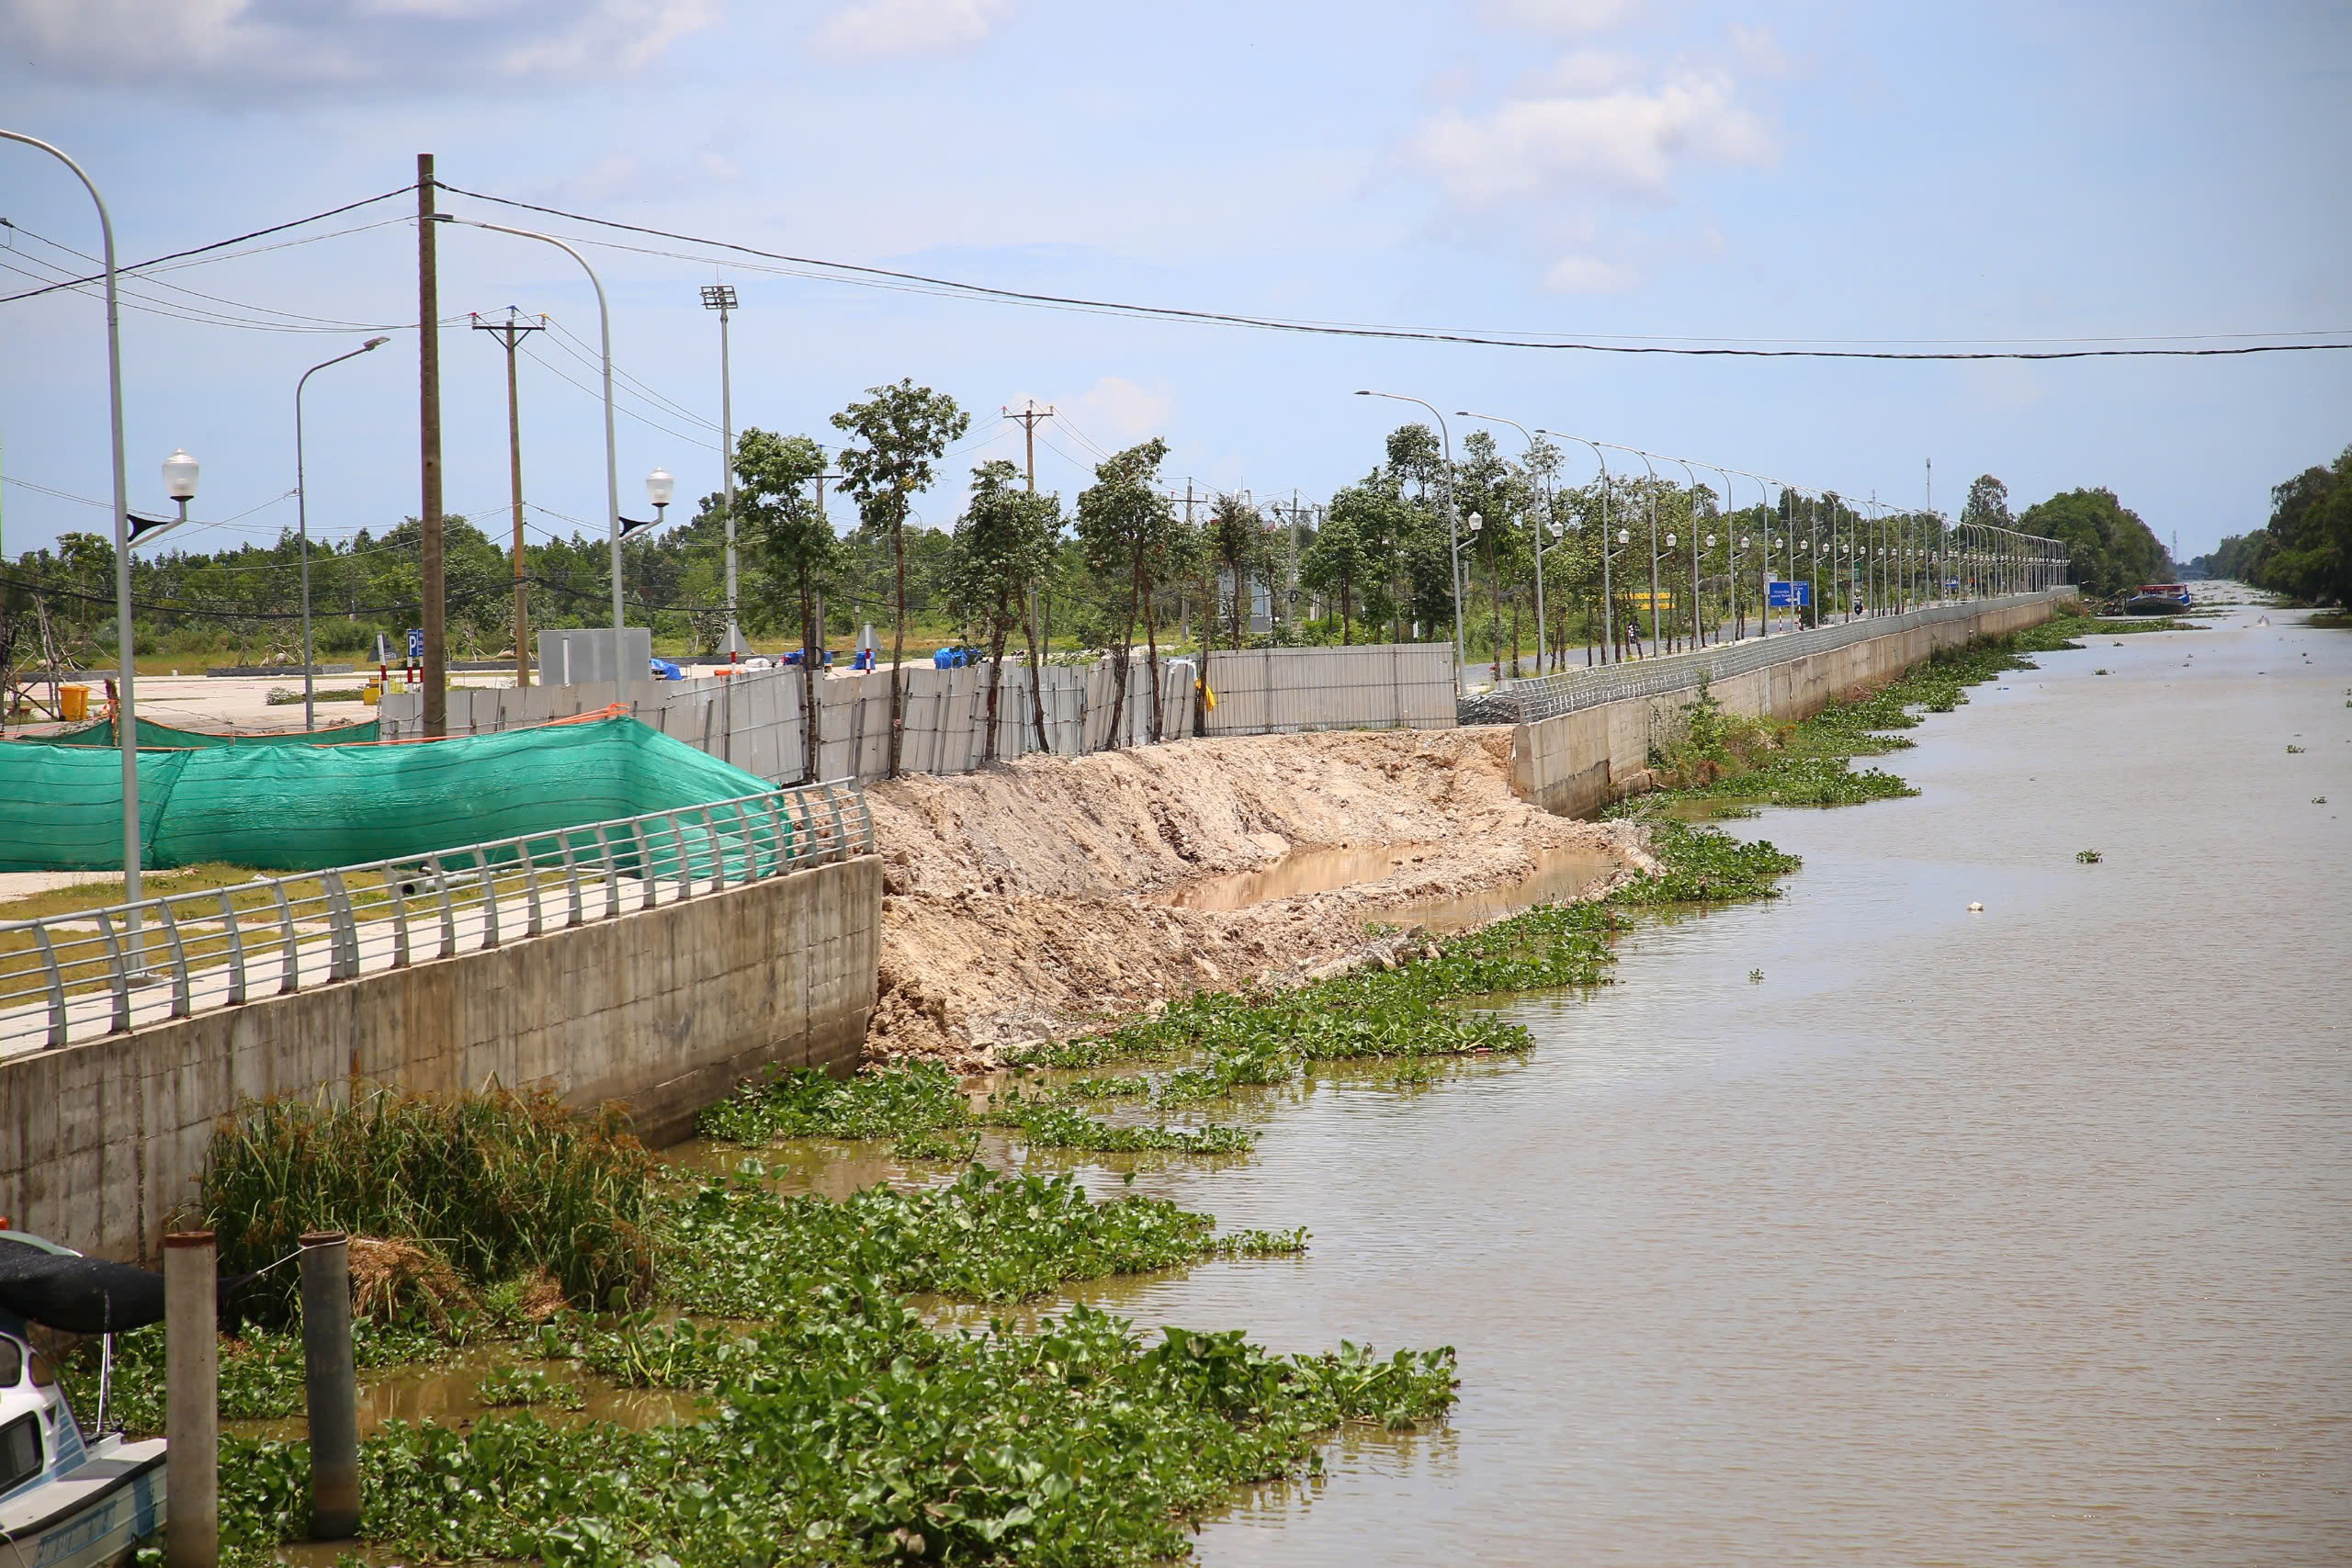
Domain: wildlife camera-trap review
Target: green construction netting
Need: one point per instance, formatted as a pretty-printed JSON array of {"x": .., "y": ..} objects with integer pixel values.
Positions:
[
  {"x": 308, "y": 807},
  {"x": 162, "y": 737}
]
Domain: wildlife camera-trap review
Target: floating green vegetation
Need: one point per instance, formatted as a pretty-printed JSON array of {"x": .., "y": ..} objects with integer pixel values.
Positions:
[
  {"x": 1726, "y": 763},
  {"x": 916, "y": 1096},
  {"x": 924, "y": 1105},
  {"x": 736, "y": 1249},
  {"x": 260, "y": 1370},
  {"x": 2294, "y": 751},
  {"x": 485, "y": 1188},
  {"x": 515, "y": 1388},
  {"x": 2088, "y": 857},
  {"x": 856, "y": 1433}
]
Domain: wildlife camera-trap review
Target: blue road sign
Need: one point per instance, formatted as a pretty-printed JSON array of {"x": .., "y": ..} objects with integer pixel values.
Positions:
[
  {"x": 416, "y": 644},
  {"x": 1787, "y": 595}
]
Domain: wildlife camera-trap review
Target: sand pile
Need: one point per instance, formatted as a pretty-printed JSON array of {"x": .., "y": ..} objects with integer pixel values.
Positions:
[{"x": 1026, "y": 901}]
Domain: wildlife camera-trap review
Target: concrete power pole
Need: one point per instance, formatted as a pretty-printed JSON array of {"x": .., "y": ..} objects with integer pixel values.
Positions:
[
  {"x": 509, "y": 334},
  {"x": 1029, "y": 418},
  {"x": 721, "y": 297},
  {"x": 428, "y": 424}
]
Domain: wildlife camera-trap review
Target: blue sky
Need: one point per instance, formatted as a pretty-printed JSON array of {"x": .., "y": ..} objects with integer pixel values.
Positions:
[{"x": 1637, "y": 169}]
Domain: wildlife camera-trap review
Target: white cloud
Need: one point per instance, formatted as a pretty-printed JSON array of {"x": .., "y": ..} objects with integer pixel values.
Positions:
[
  {"x": 1582, "y": 73},
  {"x": 1588, "y": 274},
  {"x": 871, "y": 29},
  {"x": 1626, "y": 138},
  {"x": 339, "y": 43},
  {"x": 1118, "y": 412},
  {"x": 1561, "y": 19}
]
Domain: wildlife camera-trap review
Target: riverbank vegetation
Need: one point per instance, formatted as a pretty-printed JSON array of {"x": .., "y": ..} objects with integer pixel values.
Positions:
[
  {"x": 2305, "y": 550},
  {"x": 1726, "y": 765}
]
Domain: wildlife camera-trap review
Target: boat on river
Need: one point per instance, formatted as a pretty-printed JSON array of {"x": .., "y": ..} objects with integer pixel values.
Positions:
[
  {"x": 67, "y": 1501},
  {"x": 2157, "y": 599}
]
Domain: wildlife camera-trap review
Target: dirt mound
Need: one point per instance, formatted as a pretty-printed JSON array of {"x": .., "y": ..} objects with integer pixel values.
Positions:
[{"x": 1026, "y": 901}]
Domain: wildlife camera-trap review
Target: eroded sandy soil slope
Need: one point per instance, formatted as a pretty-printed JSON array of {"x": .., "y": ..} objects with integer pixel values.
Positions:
[{"x": 1028, "y": 901}]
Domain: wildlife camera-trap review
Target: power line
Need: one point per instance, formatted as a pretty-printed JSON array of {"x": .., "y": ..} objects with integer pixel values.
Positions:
[
  {"x": 216, "y": 244},
  {"x": 893, "y": 277},
  {"x": 312, "y": 323}
]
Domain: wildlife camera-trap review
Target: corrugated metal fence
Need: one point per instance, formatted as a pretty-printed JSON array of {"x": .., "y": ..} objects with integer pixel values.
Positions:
[{"x": 755, "y": 719}]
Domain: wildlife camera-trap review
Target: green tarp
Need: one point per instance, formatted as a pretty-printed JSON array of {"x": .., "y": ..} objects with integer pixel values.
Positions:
[
  {"x": 162, "y": 737},
  {"x": 308, "y": 807}
]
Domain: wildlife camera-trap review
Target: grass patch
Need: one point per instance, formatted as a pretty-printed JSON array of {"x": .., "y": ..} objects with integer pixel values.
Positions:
[{"x": 494, "y": 1186}]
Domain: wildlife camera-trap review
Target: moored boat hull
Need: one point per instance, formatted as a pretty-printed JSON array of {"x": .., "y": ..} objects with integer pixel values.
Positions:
[{"x": 92, "y": 1515}]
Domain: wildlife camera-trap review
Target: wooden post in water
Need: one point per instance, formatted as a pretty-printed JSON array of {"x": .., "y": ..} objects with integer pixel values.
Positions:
[
  {"x": 330, "y": 1392},
  {"x": 191, "y": 1401}
]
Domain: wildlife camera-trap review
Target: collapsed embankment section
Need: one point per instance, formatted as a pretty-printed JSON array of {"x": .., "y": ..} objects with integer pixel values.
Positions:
[
  {"x": 1030, "y": 900},
  {"x": 1580, "y": 762}
]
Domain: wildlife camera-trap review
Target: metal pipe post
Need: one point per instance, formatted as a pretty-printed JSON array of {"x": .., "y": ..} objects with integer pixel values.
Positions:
[
  {"x": 191, "y": 1401},
  {"x": 330, "y": 1390}
]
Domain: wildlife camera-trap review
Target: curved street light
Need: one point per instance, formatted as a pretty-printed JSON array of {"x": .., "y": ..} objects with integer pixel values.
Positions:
[
  {"x": 126, "y": 700},
  {"x": 612, "y": 454},
  {"x": 1497, "y": 419},
  {"x": 302, "y": 525},
  {"x": 1608, "y": 606},
  {"x": 1453, "y": 525}
]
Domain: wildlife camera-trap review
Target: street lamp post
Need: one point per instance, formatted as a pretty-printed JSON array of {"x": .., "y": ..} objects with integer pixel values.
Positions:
[
  {"x": 126, "y": 702},
  {"x": 1697, "y": 639},
  {"x": 1608, "y": 607},
  {"x": 721, "y": 297},
  {"x": 302, "y": 524},
  {"x": 612, "y": 453},
  {"x": 1497, "y": 419},
  {"x": 1453, "y": 528}
]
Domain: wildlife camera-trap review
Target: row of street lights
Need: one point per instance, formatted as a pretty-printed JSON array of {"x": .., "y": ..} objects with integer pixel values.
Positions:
[{"x": 2015, "y": 561}]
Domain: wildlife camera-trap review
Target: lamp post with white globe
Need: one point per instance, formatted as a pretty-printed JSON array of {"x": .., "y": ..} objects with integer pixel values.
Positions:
[{"x": 302, "y": 525}]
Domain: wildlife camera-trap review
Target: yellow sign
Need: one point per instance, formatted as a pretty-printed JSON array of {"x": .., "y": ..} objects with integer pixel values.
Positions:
[{"x": 1664, "y": 599}]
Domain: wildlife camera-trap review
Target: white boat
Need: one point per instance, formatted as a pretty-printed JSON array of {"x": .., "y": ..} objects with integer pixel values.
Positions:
[{"x": 65, "y": 1502}]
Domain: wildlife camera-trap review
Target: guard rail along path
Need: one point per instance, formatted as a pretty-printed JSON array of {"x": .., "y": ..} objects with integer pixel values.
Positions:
[
  {"x": 1549, "y": 696},
  {"x": 71, "y": 978}
]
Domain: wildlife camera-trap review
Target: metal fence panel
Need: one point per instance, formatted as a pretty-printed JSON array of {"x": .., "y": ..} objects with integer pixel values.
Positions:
[
  {"x": 1548, "y": 696},
  {"x": 1376, "y": 686},
  {"x": 80, "y": 975}
]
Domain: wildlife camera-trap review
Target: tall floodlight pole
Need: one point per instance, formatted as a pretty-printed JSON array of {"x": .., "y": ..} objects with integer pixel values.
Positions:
[
  {"x": 1608, "y": 607},
  {"x": 612, "y": 453},
  {"x": 302, "y": 524},
  {"x": 721, "y": 297},
  {"x": 1497, "y": 419},
  {"x": 1453, "y": 528},
  {"x": 126, "y": 704}
]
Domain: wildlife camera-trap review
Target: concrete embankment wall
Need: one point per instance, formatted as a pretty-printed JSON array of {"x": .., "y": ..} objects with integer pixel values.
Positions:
[
  {"x": 1580, "y": 762},
  {"x": 664, "y": 1009}
]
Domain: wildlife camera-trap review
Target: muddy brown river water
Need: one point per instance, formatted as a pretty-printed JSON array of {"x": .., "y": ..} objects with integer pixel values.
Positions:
[{"x": 2019, "y": 1236}]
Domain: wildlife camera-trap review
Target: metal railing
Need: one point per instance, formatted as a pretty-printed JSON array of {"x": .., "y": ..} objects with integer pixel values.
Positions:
[
  {"x": 1548, "y": 696},
  {"x": 97, "y": 972}
]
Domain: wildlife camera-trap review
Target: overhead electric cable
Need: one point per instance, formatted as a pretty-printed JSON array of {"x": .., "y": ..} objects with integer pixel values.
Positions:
[
  {"x": 218, "y": 244},
  {"x": 856, "y": 271}
]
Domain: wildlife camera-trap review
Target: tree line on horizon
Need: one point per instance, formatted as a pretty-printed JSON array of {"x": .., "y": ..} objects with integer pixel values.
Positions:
[
  {"x": 2304, "y": 551},
  {"x": 1123, "y": 567}
]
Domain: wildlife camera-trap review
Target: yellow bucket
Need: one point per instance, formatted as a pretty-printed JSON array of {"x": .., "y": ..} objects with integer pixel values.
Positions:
[
  {"x": 372, "y": 695},
  {"x": 74, "y": 703}
]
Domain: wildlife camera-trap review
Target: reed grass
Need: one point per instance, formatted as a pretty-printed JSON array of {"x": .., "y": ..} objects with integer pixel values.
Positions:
[{"x": 493, "y": 1185}]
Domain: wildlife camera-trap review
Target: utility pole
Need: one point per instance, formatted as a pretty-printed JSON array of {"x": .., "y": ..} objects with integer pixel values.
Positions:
[
  {"x": 508, "y": 334},
  {"x": 428, "y": 424},
  {"x": 1029, "y": 418},
  {"x": 721, "y": 297}
]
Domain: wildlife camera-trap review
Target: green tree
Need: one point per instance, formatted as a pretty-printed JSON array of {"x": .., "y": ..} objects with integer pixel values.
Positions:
[
  {"x": 2309, "y": 533},
  {"x": 794, "y": 546},
  {"x": 2108, "y": 549},
  {"x": 1236, "y": 543},
  {"x": 1987, "y": 503},
  {"x": 1131, "y": 536},
  {"x": 897, "y": 434},
  {"x": 1002, "y": 546}
]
